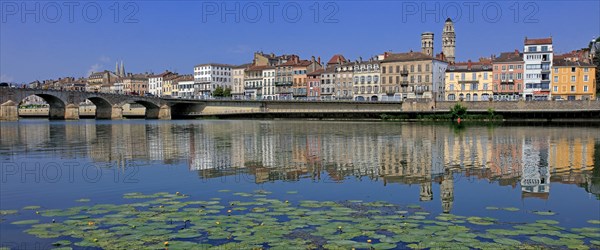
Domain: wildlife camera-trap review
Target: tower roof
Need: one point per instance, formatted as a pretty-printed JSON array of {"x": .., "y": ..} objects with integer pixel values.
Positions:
[{"x": 448, "y": 20}]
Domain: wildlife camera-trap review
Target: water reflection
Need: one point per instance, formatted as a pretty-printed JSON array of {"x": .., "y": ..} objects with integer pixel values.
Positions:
[{"x": 528, "y": 157}]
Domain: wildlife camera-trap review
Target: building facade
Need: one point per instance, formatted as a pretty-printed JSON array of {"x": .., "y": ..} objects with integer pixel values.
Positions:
[
  {"x": 238, "y": 90},
  {"x": 313, "y": 86},
  {"x": 344, "y": 75},
  {"x": 508, "y": 76},
  {"x": 366, "y": 80},
  {"x": 537, "y": 55},
  {"x": 470, "y": 81},
  {"x": 253, "y": 82},
  {"x": 412, "y": 75},
  {"x": 210, "y": 76},
  {"x": 269, "y": 83},
  {"x": 573, "y": 80},
  {"x": 137, "y": 84},
  {"x": 155, "y": 83},
  {"x": 184, "y": 87},
  {"x": 328, "y": 82}
]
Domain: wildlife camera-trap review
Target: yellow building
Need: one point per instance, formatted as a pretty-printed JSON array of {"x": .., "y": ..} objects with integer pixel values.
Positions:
[
  {"x": 470, "y": 81},
  {"x": 573, "y": 80}
]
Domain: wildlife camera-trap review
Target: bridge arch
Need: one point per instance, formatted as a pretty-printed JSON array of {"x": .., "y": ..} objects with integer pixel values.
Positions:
[
  {"x": 56, "y": 106},
  {"x": 105, "y": 109},
  {"x": 152, "y": 109}
]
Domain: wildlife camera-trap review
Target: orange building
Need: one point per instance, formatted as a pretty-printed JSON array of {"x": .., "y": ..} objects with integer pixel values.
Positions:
[{"x": 573, "y": 80}]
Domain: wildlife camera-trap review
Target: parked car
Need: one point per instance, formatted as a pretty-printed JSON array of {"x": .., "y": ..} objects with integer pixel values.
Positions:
[{"x": 4, "y": 84}]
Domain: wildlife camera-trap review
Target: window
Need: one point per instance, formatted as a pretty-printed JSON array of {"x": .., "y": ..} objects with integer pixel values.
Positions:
[
  {"x": 519, "y": 76},
  {"x": 427, "y": 67},
  {"x": 427, "y": 78},
  {"x": 474, "y": 86},
  {"x": 451, "y": 87},
  {"x": 462, "y": 76},
  {"x": 555, "y": 88},
  {"x": 544, "y": 48},
  {"x": 419, "y": 68},
  {"x": 572, "y": 69},
  {"x": 555, "y": 78},
  {"x": 462, "y": 87},
  {"x": 495, "y": 76},
  {"x": 419, "y": 79},
  {"x": 390, "y": 70},
  {"x": 511, "y": 66},
  {"x": 585, "y": 88},
  {"x": 586, "y": 70},
  {"x": 503, "y": 67},
  {"x": 485, "y": 86},
  {"x": 383, "y": 70},
  {"x": 412, "y": 68},
  {"x": 383, "y": 79},
  {"x": 573, "y": 78},
  {"x": 585, "y": 78},
  {"x": 519, "y": 66},
  {"x": 485, "y": 75},
  {"x": 451, "y": 76},
  {"x": 532, "y": 49},
  {"x": 397, "y": 79}
]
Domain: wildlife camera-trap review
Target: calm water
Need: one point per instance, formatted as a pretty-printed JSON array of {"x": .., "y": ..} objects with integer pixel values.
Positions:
[{"x": 442, "y": 168}]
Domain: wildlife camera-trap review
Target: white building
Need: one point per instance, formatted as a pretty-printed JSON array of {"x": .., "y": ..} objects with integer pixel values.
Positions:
[
  {"x": 117, "y": 88},
  {"x": 538, "y": 64},
  {"x": 268, "y": 90},
  {"x": 185, "y": 88},
  {"x": 155, "y": 83},
  {"x": 439, "y": 79},
  {"x": 210, "y": 75}
]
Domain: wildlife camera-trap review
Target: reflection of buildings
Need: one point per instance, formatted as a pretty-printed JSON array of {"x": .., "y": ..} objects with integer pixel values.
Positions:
[
  {"x": 447, "y": 191},
  {"x": 290, "y": 150}
]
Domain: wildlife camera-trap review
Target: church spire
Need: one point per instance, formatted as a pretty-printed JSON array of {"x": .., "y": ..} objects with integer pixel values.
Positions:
[
  {"x": 117, "y": 68},
  {"x": 122, "y": 69}
]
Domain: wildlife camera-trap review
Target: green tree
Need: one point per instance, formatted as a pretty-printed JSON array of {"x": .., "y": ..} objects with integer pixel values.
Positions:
[
  {"x": 218, "y": 92},
  {"x": 458, "y": 111},
  {"x": 227, "y": 92}
]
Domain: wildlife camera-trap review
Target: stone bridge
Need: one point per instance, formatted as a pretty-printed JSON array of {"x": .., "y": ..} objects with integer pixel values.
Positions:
[{"x": 65, "y": 104}]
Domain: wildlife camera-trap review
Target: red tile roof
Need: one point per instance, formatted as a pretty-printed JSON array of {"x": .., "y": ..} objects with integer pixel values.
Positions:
[
  {"x": 538, "y": 41},
  {"x": 409, "y": 56},
  {"x": 334, "y": 59}
]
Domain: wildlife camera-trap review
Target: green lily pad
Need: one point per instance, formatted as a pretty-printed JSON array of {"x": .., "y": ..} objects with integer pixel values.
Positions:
[
  {"x": 8, "y": 212},
  {"x": 83, "y": 200},
  {"x": 61, "y": 243},
  {"x": 25, "y": 222},
  {"x": 31, "y": 207},
  {"x": 511, "y": 209},
  {"x": 492, "y": 208},
  {"x": 594, "y": 221},
  {"x": 545, "y": 213}
]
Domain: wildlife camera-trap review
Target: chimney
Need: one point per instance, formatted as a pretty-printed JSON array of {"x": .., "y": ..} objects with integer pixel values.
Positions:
[
  {"x": 272, "y": 54},
  {"x": 516, "y": 52},
  {"x": 319, "y": 60},
  {"x": 312, "y": 58},
  {"x": 469, "y": 65}
]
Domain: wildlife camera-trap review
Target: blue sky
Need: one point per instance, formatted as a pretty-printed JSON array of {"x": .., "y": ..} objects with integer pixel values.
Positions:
[{"x": 153, "y": 36}]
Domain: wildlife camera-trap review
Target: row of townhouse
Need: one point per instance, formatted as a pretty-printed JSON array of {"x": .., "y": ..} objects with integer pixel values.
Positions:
[{"x": 535, "y": 74}]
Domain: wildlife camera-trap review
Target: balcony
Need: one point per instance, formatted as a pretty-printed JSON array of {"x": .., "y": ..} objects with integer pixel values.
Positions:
[
  {"x": 283, "y": 83},
  {"x": 507, "y": 82},
  {"x": 404, "y": 83},
  {"x": 420, "y": 91},
  {"x": 253, "y": 87},
  {"x": 404, "y": 72}
]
